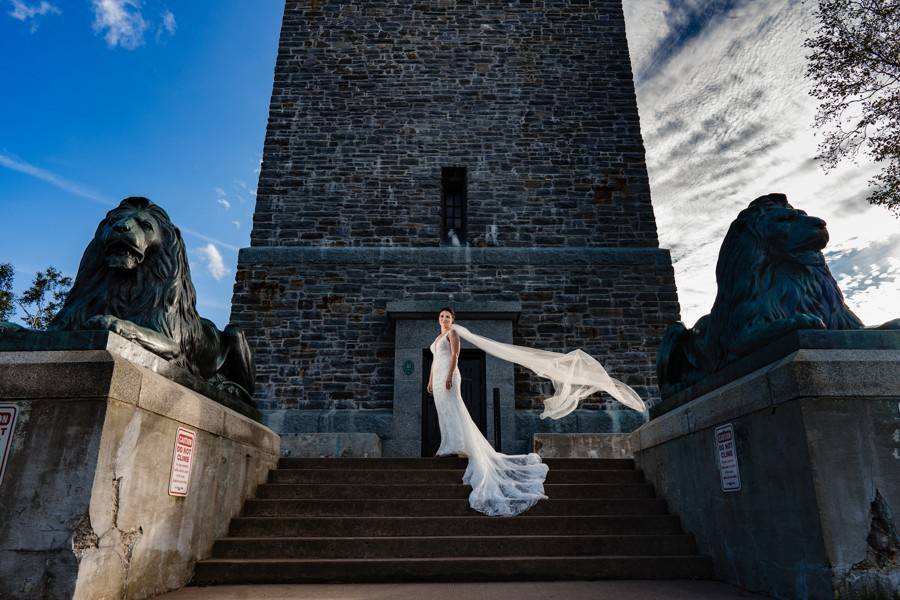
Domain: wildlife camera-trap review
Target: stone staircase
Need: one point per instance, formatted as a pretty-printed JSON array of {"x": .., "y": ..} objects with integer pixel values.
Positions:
[{"x": 408, "y": 519}]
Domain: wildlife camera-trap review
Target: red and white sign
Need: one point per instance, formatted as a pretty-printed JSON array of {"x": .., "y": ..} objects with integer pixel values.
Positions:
[
  {"x": 182, "y": 458},
  {"x": 7, "y": 427},
  {"x": 728, "y": 463}
]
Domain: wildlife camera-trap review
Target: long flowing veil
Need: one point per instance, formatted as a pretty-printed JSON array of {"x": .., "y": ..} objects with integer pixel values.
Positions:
[{"x": 575, "y": 375}]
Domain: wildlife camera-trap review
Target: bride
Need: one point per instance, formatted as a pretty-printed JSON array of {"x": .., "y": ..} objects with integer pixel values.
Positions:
[{"x": 506, "y": 485}]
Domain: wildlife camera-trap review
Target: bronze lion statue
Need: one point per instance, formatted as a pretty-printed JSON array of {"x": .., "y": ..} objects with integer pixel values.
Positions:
[
  {"x": 134, "y": 280},
  {"x": 772, "y": 279}
]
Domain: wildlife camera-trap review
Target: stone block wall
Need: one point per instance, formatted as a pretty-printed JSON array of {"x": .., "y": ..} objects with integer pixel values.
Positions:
[
  {"x": 534, "y": 98},
  {"x": 370, "y": 102},
  {"x": 316, "y": 317}
]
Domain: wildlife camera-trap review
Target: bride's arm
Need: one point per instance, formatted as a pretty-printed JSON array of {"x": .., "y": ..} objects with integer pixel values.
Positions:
[{"x": 454, "y": 356}]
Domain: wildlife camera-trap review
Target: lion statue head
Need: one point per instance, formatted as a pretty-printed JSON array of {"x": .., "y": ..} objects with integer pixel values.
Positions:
[
  {"x": 134, "y": 279},
  {"x": 135, "y": 268},
  {"x": 772, "y": 278}
]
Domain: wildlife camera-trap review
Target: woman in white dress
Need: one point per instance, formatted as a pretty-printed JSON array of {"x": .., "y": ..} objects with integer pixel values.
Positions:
[
  {"x": 502, "y": 485},
  {"x": 506, "y": 485}
]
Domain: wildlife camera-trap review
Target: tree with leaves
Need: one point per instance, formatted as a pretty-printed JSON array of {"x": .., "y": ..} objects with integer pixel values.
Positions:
[
  {"x": 44, "y": 298},
  {"x": 7, "y": 299},
  {"x": 855, "y": 64}
]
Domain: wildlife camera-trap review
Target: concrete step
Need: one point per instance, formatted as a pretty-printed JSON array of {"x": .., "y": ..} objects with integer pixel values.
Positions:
[
  {"x": 433, "y": 476},
  {"x": 508, "y": 568},
  {"x": 438, "y": 546},
  {"x": 524, "y": 524},
  {"x": 400, "y": 519},
  {"x": 431, "y": 507},
  {"x": 441, "y": 463},
  {"x": 441, "y": 490}
]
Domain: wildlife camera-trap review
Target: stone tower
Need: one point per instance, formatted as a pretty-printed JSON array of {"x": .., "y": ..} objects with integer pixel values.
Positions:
[{"x": 479, "y": 154}]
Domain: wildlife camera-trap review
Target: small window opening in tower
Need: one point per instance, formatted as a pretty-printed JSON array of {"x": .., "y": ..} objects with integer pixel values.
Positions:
[{"x": 454, "y": 211}]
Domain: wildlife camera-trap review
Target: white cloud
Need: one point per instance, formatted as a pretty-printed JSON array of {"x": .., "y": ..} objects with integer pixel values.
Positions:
[
  {"x": 120, "y": 22},
  {"x": 726, "y": 117},
  {"x": 213, "y": 259},
  {"x": 222, "y": 198},
  {"x": 167, "y": 25},
  {"x": 25, "y": 12},
  {"x": 237, "y": 224}
]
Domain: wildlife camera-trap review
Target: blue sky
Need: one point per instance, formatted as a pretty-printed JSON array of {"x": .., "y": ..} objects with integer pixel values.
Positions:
[
  {"x": 104, "y": 99},
  {"x": 164, "y": 101}
]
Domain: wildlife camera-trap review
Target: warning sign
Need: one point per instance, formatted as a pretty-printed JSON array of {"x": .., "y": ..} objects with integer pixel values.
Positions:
[
  {"x": 728, "y": 463},
  {"x": 7, "y": 426},
  {"x": 182, "y": 458}
]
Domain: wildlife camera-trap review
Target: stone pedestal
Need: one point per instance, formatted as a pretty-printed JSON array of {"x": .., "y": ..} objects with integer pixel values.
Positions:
[
  {"x": 86, "y": 508},
  {"x": 583, "y": 445},
  {"x": 817, "y": 509},
  {"x": 331, "y": 445}
]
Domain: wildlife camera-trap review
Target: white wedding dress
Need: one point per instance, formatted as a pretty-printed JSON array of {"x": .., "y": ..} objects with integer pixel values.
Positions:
[
  {"x": 506, "y": 485},
  {"x": 502, "y": 485}
]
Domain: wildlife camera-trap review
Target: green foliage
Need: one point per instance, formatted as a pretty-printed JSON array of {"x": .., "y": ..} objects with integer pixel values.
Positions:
[
  {"x": 855, "y": 64},
  {"x": 7, "y": 299},
  {"x": 44, "y": 298}
]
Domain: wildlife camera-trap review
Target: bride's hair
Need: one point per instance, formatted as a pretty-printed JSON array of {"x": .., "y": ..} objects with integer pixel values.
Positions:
[{"x": 449, "y": 310}]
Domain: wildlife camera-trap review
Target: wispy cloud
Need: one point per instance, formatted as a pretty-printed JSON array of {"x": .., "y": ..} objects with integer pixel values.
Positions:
[
  {"x": 237, "y": 224},
  {"x": 167, "y": 25},
  {"x": 211, "y": 256},
  {"x": 30, "y": 12},
  {"x": 120, "y": 22},
  {"x": 678, "y": 23},
  {"x": 240, "y": 187},
  {"x": 207, "y": 238},
  {"x": 14, "y": 164},
  {"x": 62, "y": 183},
  {"x": 222, "y": 198},
  {"x": 726, "y": 117}
]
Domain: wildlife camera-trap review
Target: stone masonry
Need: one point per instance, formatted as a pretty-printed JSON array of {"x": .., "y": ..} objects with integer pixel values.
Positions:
[
  {"x": 316, "y": 317},
  {"x": 371, "y": 100}
]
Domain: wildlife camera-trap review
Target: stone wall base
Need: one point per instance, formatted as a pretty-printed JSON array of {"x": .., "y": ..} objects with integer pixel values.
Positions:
[
  {"x": 583, "y": 445},
  {"x": 334, "y": 428},
  {"x": 529, "y": 425},
  {"x": 86, "y": 487},
  {"x": 331, "y": 445},
  {"x": 819, "y": 494}
]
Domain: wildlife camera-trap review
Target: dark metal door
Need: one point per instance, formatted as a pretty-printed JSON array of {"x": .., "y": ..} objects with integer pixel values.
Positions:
[{"x": 471, "y": 367}]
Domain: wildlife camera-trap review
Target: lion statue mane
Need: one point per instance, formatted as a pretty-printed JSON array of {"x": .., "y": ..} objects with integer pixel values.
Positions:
[
  {"x": 134, "y": 279},
  {"x": 772, "y": 278}
]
